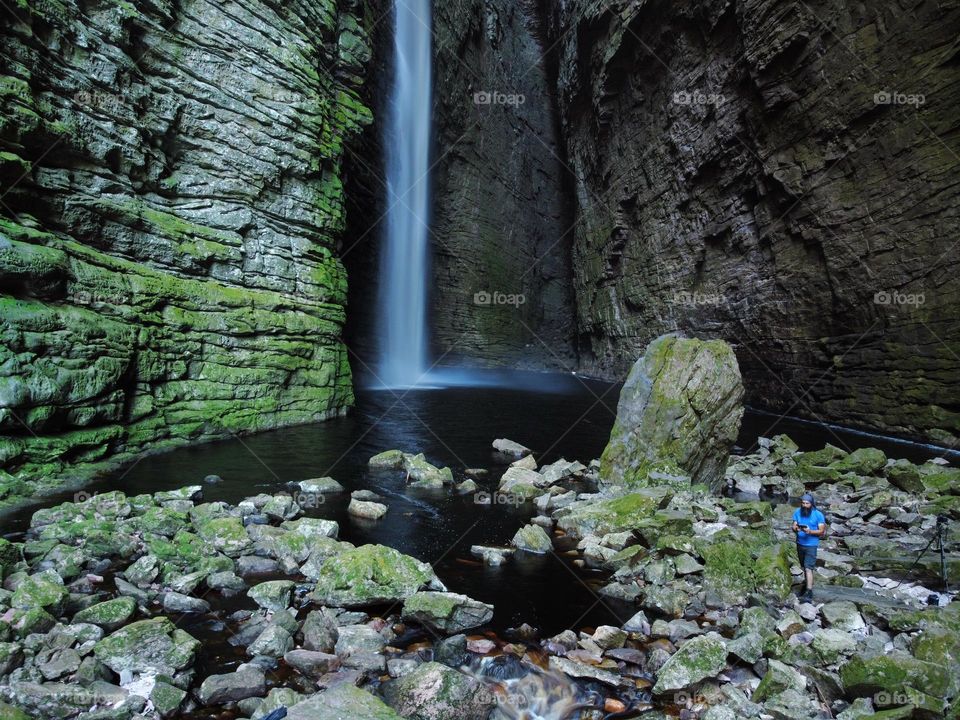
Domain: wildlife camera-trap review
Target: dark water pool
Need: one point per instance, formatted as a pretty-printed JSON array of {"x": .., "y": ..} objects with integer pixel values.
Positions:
[{"x": 568, "y": 417}]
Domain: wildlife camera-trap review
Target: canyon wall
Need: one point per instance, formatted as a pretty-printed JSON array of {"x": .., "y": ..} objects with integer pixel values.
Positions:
[
  {"x": 172, "y": 197},
  {"x": 783, "y": 175},
  {"x": 500, "y": 233}
]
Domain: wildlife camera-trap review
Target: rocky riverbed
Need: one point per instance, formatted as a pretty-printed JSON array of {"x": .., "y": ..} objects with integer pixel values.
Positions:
[{"x": 96, "y": 598}]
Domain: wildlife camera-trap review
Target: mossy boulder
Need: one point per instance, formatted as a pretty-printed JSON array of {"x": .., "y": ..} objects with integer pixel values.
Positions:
[
  {"x": 155, "y": 645},
  {"x": 697, "y": 659},
  {"x": 906, "y": 476},
  {"x": 893, "y": 673},
  {"x": 446, "y": 612},
  {"x": 863, "y": 461},
  {"x": 272, "y": 595},
  {"x": 679, "y": 414},
  {"x": 734, "y": 569},
  {"x": 110, "y": 614},
  {"x": 340, "y": 702},
  {"x": 437, "y": 692},
  {"x": 611, "y": 516},
  {"x": 369, "y": 575},
  {"x": 44, "y": 591},
  {"x": 532, "y": 538},
  {"x": 226, "y": 535},
  {"x": 9, "y": 556}
]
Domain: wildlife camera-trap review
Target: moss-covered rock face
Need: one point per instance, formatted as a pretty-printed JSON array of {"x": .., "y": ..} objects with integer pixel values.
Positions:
[
  {"x": 172, "y": 277},
  {"x": 678, "y": 416},
  {"x": 369, "y": 575}
]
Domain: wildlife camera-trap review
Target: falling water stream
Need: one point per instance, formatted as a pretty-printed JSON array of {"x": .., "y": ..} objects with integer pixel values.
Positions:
[{"x": 403, "y": 293}]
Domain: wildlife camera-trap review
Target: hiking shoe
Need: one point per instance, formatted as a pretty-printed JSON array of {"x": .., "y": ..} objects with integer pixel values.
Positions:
[{"x": 807, "y": 596}]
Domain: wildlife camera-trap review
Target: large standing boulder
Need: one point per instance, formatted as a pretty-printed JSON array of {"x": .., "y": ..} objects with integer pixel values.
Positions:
[{"x": 679, "y": 415}]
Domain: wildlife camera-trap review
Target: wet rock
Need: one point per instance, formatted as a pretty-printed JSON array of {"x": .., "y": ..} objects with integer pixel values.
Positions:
[
  {"x": 638, "y": 624},
  {"x": 366, "y": 510},
  {"x": 679, "y": 414},
  {"x": 371, "y": 574},
  {"x": 226, "y": 535},
  {"x": 778, "y": 678},
  {"x": 166, "y": 698},
  {"x": 575, "y": 668},
  {"x": 526, "y": 463},
  {"x": 54, "y": 701},
  {"x": 320, "y": 631},
  {"x": 842, "y": 615},
  {"x": 451, "y": 651},
  {"x": 437, "y": 692},
  {"x": 177, "y": 603},
  {"x": 700, "y": 658},
  {"x": 532, "y": 538},
  {"x": 831, "y": 644},
  {"x": 226, "y": 580},
  {"x": 509, "y": 447},
  {"x": 272, "y": 595},
  {"x": 361, "y": 647},
  {"x": 154, "y": 645},
  {"x": 109, "y": 615},
  {"x": 44, "y": 591},
  {"x": 422, "y": 474},
  {"x": 245, "y": 682},
  {"x": 312, "y": 663},
  {"x": 390, "y": 459},
  {"x": 340, "y": 702},
  {"x": 275, "y": 642},
  {"x": 446, "y": 612},
  {"x": 249, "y": 565},
  {"x": 608, "y": 637},
  {"x": 893, "y": 673},
  {"x": 321, "y": 486}
]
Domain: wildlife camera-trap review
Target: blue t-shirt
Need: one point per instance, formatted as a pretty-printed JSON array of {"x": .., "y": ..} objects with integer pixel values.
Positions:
[{"x": 813, "y": 521}]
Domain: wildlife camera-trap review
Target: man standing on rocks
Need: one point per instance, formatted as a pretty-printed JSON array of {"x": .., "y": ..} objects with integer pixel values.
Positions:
[{"x": 810, "y": 525}]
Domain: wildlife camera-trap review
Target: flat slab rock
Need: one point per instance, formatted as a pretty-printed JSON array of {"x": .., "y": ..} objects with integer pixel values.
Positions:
[{"x": 343, "y": 702}]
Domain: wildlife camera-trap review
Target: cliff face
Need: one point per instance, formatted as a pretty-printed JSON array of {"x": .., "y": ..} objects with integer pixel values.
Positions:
[
  {"x": 172, "y": 196},
  {"x": 501, "y": 246},
  {"x": 783, "y": 176}
]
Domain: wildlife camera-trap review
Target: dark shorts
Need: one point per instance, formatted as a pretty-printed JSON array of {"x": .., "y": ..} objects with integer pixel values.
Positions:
[{"x": 807, "y": 555}]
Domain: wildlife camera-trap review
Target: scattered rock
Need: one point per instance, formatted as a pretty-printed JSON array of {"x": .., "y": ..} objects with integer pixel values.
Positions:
[{"x": 446, "y": 612}]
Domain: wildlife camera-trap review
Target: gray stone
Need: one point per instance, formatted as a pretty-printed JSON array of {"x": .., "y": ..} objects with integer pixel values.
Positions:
[{"x": 679, "y": 414}]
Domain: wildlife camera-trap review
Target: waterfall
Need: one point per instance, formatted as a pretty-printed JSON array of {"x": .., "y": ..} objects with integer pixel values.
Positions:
[{"x": 404, "y": 260}]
